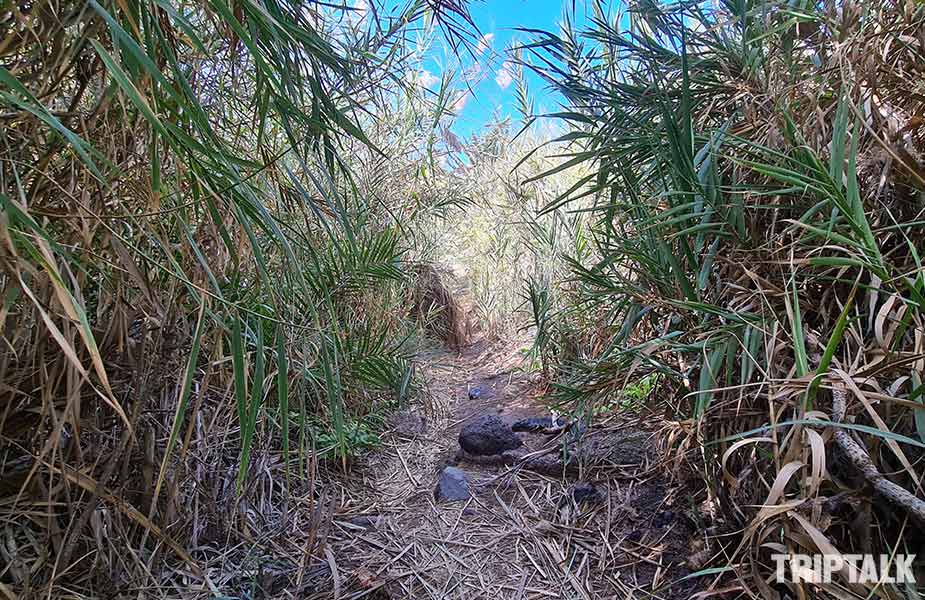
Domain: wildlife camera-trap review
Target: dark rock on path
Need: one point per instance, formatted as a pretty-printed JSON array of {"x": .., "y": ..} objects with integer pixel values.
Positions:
[
  {"x": 585, "y": 493},
  {"x": 544, "y": 464},
  {"x": 664, "y": 518},
  {"x": 452, "y": 486},
  {"x": 365, "y": 521},
  {"x": 545, "y": 425},
  {"x": 551, "y": 465},
  {"x": 488, "y": 435}
]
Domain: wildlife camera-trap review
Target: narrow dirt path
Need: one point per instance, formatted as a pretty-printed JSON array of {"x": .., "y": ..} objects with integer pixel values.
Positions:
[{"x": 520, "y": 535}]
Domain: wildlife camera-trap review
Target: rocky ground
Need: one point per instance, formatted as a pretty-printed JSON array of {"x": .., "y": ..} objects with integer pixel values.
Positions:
[{"x": 458, "y": 505}]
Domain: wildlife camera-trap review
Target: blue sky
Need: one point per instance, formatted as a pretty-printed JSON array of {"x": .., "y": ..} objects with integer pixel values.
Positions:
[
  {"x": 488, "y": 73},
  {"x": 492, "y": 84},
  {"x": 485, "y": 85}
]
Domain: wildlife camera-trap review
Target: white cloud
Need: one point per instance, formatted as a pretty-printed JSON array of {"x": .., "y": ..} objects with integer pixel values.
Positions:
[
  {"x": 505, "y": 76},
  {"x": 484, "y": 43},
  {"x": 460, "y": 102},
  {"x": 426, "y": 79}
]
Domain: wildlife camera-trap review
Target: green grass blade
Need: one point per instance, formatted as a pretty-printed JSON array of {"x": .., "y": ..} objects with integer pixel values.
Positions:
[{"x": 192, "y": 365}]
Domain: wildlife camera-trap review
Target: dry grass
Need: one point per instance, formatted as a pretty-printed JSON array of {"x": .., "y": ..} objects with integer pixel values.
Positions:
[
  {"x": 519, "y": 536},
  {"x": 438, "y": 309},
  {"x": 199, "y": 306},
  {"x": 206, "y": 301},
  {"x": 758, "y": 244}
]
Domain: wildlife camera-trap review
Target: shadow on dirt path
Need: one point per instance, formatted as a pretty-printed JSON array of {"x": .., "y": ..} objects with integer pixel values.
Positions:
[{"x": 521, "y": 534}]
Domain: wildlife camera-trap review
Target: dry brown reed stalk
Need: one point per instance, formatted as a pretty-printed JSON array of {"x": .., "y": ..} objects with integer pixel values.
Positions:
[
  {"x": 196, "y": 302},
  {"x": 434, "y": 304},
  {"x": 759, "y": 244}
]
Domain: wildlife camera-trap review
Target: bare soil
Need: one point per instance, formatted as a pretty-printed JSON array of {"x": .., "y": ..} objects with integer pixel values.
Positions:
[{"x": 519, "y": 536}]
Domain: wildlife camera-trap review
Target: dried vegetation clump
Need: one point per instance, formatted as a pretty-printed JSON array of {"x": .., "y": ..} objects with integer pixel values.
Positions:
[
  {"x": 434, "y": 304},
  {"x": 203, "y": 304},
  {"x": 758, "y": 174}
]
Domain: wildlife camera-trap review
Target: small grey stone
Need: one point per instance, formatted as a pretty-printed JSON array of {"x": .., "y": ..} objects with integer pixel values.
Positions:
[
  {"x": 452, "y": 486},
  {"x": 585, "y": 493},
  {"x": 663, "y": 518},
  {"x": 549, "y": 464},
  {"x": 365, "y": 521},
  {"x": 545, "y": 425},
  {"x": 487, "y": 435}
]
